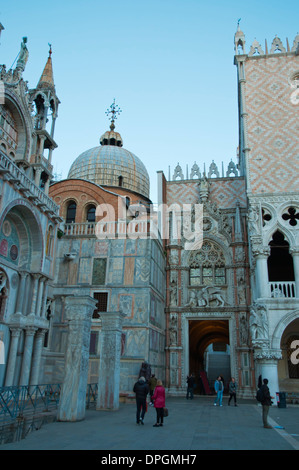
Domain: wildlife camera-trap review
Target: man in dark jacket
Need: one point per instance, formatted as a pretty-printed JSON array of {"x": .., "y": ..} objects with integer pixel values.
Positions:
[
  {"x": 190, "y": 386},
  {"x": 141, "y": 389},
  {"x": 266, "y": 403}
]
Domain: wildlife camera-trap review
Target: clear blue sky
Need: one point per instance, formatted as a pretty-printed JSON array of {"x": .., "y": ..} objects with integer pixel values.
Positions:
[{"x": 168, "y": 64}]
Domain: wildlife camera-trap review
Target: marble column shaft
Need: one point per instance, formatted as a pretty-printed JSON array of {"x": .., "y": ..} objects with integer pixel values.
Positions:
[
  {"x": 11, "y": 365},
  {"x": 72, "y": 402},
  {"x": 37, "y": 355},
  {"x": 34, "y": 294},
  {"x": 109, "y": 373},
  {"x": 21, "y": 293},
  {"x": 27, "y": 355}
]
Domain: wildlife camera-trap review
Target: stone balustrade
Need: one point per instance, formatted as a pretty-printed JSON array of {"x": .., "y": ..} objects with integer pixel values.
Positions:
[{"x": 26, "y": 186}]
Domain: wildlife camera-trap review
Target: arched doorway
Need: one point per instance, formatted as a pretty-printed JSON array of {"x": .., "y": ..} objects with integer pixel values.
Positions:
[{"x": 209, "y": 352}]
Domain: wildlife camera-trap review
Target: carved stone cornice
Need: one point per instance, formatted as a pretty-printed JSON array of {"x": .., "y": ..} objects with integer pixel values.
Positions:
[{"x": 268, "y": 354}]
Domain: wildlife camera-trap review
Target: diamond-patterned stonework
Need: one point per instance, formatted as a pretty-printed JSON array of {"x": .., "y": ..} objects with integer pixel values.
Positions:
[{"x": 272, "y": 124}]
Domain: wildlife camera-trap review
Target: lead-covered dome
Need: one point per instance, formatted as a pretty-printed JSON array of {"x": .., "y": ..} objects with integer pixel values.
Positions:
[{"x": 112, "y": 165}]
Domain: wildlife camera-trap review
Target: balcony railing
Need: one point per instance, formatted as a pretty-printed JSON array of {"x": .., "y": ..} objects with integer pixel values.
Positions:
[
  {"x": 25, "y": 185},
  {"x": 281, "y": 289},
  {"x": 111, "y": 230}
]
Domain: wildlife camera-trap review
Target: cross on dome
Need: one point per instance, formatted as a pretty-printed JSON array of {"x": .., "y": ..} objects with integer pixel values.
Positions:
[{"x": 115, "y": 111}]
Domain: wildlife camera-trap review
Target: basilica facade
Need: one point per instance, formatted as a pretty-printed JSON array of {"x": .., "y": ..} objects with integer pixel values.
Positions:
[{"x": 96, "y": 280}]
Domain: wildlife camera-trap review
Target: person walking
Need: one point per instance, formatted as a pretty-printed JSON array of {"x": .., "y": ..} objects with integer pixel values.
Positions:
[
  {"x": 232, "y": 388},
  {"x": 159, "y": 403},
  {"x": 190, "y": 386},
  {"x": 218, "y": 386},
  {"x": 152, "y": 386},
  {"x": 266, "y": 402},
  {"x": 141, "y": 389}
]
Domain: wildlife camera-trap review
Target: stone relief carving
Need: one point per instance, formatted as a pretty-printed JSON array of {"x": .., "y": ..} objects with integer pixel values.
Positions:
[
  {"x": 241, "y": 290},
  {"x": 173, "y": 289},
  {"x": 259, "y": 327},
  {"x": 174, "y": 258},
  {"x": 206, "y": 296},
  {"x": 267, "y": 354},
  {"x": 193, "y": 302},
  {"x": 209, "y": 294},
  {"x": 204, "y": 188},
  {"x": 253, "y": 220},
  {"x": 243, "y": 329},
  {"x": 173, "y": 330}
]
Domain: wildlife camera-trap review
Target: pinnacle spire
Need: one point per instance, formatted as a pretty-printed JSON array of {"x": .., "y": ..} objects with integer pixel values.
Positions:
[{"x": 47, "y": 78}]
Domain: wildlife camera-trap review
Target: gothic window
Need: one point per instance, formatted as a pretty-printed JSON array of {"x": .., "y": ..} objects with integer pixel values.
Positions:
[
  {"x": 71, "y": 212},
  {"x": 207, "y": 266},
  {"x": 280, "y": 261}
]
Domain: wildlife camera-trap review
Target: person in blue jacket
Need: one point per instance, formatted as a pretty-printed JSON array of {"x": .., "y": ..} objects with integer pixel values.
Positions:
[{"x": 219, "y": 387}]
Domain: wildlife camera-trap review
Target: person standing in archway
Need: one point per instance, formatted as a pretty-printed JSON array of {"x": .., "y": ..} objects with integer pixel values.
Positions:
[
  {"x": 190, "y": 386},
  {"x": 219, "y": 387},
  {"x": 232, "y": 388}
]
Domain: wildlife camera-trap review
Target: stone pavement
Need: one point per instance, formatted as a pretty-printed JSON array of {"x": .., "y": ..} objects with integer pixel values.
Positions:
[{"x": 191, "y": 425}]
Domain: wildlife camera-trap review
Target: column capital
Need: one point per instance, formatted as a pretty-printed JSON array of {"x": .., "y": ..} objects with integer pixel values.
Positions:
[
  {"x": 261, "y": 251},
  {"x": 267, "y": 354},
  {"x": 23, "y": 274},
  {"x": 15, "y": 332},
  {"x": 30, "y": 330}
]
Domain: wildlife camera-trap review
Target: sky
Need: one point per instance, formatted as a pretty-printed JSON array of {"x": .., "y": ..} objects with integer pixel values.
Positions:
[{"x": 168, "y": 64}]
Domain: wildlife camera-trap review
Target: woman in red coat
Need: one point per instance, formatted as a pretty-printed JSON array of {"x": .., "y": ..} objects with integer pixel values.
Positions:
[{"x": 159, "y": 403}]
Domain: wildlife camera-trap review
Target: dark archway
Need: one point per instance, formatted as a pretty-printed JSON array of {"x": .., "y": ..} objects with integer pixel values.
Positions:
[
  {"x": 203, "y": 333},
  {"x": 280, "y": 261}
]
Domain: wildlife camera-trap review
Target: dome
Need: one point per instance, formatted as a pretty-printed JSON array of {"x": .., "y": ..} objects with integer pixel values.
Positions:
[{"x": 111, "y": 165}]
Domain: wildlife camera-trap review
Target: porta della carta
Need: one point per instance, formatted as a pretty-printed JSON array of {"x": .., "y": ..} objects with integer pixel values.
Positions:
[{"x": 92, "y": 287}]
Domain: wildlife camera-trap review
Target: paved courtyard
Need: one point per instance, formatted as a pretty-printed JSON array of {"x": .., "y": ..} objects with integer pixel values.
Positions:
[{"x": 191, "y": 425}]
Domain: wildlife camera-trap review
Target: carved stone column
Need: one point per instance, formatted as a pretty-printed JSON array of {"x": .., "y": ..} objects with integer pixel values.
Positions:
[
  {"x": 40, "y": 291},
  {"x": 37, "y": 354},
  {"x": 262, "y": 279},
  {"x": 73, "y": 393},
  {"x": 295, "y": 254},
  {"x": 21, "y": 293},
  {"x": 11, "y": 365},
  {"x": 266, "y": 361},
  {"x": 109, "y": 373},
  {"x": 34, "y": 293},
  {"x": 27, "y": 355},
  {"x": 44, "y": 301}
]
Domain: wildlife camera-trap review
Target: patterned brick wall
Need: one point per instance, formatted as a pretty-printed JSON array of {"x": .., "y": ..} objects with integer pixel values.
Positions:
[
  {"x": 272, "y": 123},
  {"x": 223, "y": 191}
]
